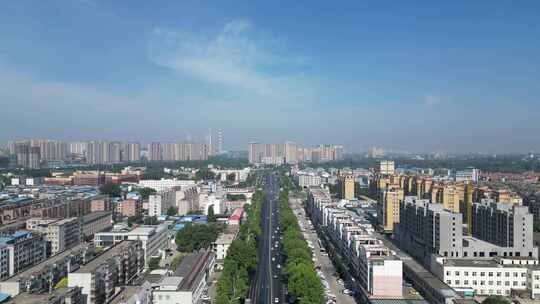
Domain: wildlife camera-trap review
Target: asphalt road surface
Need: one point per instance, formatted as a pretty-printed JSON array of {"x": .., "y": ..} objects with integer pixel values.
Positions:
[{"x": 268, "y": 287}]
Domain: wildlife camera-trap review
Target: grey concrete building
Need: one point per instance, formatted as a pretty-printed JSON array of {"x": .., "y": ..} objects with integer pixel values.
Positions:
[{"x": 505, "y": 226}]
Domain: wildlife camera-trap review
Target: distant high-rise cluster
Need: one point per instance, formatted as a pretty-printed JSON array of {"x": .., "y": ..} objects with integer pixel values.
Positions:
[
  {"x": 38, "y": 153},
  {"x": 291, "y": 153},
  {"x": 111, "y": 152},
  {"x": 376, "y": 152},
  {"x": 33, "y": 153},
  {"x": 158, "y": 151}
]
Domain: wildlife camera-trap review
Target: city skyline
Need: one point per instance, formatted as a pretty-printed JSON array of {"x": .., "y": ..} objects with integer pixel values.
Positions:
[{"x": 455, "y": 77}]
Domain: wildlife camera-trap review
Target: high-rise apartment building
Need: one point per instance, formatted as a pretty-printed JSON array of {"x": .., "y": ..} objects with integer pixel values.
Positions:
[
  {"x": 78, "y": 148},
  {"x": 389, "y": 210},
  {"x": 94, "y": 152},
  {"x": 291, "y": 153},
  {"x": 168, "y": 151},
  {"x": 155, "y": 151},
  {"x": 27, "y": 156},
  {"x": 255, "y": 152},
  {"x": 50, "y": 150},
  {"x": 502, "y": 224},
  {"x": 498, "y": 230},
  {"x": 347, "y": 187},
  {"x": 387, "y": 167},
  {"x": 115, "y": 152},
  {"x": 426, "y": 229},
  {"x": 131, "y": 152}
]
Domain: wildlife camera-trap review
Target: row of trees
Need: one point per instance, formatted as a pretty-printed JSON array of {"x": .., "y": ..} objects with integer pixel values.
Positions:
[
  {"x": 242, "y": 258},
  {"x": 303, "y": 284}
]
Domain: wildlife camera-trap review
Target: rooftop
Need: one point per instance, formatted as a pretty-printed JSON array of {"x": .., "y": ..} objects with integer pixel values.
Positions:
[
  {"x": 98, "y": 261},
  {"x": 39, "y": 267}
]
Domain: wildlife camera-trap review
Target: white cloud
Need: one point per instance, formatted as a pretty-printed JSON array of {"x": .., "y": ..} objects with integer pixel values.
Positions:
[{"x": 236, "y": 56}]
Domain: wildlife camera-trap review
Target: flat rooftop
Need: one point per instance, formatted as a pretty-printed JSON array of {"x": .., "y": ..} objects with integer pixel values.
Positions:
[
  {"x": 191, "y": 267},
  {"x": 99, "y": 260},
  {"x": 33, "y": 298},
  {"x": 39, "y": 267},
  {"x": 488, "y": 262}
]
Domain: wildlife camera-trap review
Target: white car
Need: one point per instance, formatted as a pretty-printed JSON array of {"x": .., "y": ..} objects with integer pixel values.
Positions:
[{"x": 276, "y": 300}]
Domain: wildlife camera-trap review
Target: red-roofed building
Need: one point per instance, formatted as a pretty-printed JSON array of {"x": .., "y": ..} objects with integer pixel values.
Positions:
[{"x": 236, "y": 217}]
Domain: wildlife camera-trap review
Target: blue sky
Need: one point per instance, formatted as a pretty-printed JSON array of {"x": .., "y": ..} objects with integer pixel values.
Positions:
[{"x": 453, "y": 76}]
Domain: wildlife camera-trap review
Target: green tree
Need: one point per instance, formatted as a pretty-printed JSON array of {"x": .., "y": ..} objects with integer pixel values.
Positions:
[
  {"x": 146, "y": 192},
  {"x": 210, "y": 215},
  {"x": 304, "y": 283},
  {"x": 137, "y": 219},
  {"x": 172, "y": 211},
  {"x": 177, "y": 260},
  {"x": 496, "y": 300},
  {"x": 195, "y": 236},
  {"x": 236, "y": 197},
  {"x": 111, "y": 189},
  {"x": 205, "y": 174},
  {"x": 153, "y": 263},
  {"x": 151, "y": 220}
]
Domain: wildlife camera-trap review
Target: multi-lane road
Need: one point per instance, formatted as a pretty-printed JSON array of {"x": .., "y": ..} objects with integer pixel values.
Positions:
[{"x": 268, "y": 286}]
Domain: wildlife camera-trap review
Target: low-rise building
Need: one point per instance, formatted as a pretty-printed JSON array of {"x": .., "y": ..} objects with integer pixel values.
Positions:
[
  {"x": 117, "y": 266},
  {"x": 493, "y": 276},
  {"x": 236, "y": 217},
  {"x": 188, "y": 282},
  {"x": 129, "y": 207},
  {"x": 19, "y": 251},
  {"x": 95, "y": 222},
  {"x": 71, "y": 295},
  {"x": 43, "y": 276},
  {"x": 154, "y": 239},
  {"x": 61, "y": 234},
  {"x": 223, "y": 242}
]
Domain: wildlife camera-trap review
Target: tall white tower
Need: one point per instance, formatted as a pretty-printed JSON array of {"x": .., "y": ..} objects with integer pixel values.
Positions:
[
  {"x": 210, "y": 147},
  {"x": 220, "y": 141}
]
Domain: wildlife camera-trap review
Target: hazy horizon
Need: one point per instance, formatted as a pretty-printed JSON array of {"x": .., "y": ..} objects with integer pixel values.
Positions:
[{"x": 411, "y": 76}]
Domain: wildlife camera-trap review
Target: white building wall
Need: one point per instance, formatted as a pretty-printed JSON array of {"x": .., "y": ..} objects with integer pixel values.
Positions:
[{"x": 486, "y": 280}]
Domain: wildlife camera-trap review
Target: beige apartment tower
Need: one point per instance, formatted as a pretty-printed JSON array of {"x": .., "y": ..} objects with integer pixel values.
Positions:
[
  {"x": 389, "y": 203},
  {"x": 347, "y": 187}
]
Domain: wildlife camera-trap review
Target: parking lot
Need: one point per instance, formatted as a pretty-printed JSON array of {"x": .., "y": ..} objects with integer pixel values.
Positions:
[{"x": 332, "y": 283}]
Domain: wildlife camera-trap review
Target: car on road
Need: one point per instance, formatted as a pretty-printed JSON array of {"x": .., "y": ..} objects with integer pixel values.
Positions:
[
  {"x": 276, "y": 300},
  {"x": 278, "y": 266},
  {"x": 346, "y": 291},
  {"x": 273, "y": 259},
  {"x": 275, "y": 276}
]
